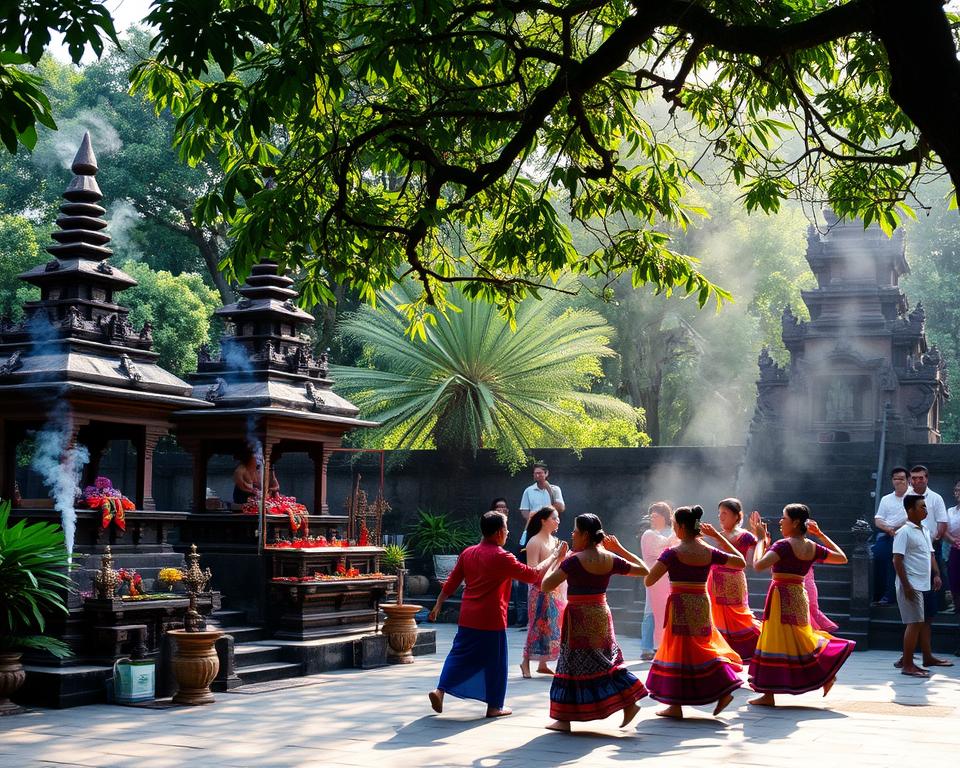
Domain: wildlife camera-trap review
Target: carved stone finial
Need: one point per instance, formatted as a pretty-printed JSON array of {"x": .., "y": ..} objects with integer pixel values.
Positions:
[
  {"x": 85, "y": 162},
  {"x": 129, "y": 369},
  {"x": 313, "y": 395},
  {"x": 106, "y": 579},
  {"x": 195, "y": 581},
  {"x": 12, "y": 363},
  {"x": 217, "y": 390}
]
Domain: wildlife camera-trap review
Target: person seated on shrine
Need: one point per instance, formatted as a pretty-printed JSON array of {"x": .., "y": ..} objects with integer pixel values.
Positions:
[{"x": 246, "y": 480}]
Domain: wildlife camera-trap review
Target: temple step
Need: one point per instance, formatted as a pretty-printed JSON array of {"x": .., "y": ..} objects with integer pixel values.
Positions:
[
  {"x": 252, "y": 655},
  {"x": 245, "y": 634},
  {"x": 261, "y": 673},
  {"x": 227, "y": 618}
]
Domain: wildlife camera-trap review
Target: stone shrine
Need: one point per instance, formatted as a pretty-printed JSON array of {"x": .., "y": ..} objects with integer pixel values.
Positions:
[{"x": 863, "y": 350}]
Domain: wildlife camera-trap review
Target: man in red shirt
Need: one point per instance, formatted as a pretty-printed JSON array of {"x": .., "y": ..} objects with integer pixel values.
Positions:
[{"x": 476, "y": 667}]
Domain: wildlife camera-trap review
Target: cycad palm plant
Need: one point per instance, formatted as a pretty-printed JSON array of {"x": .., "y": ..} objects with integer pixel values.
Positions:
[
  {"x": 34, "y": 579},
  {"x": 475, "y": 382}
]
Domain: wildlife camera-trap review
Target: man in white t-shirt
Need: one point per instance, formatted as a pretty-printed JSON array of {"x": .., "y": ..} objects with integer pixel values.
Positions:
[
  {"x": 913, "y": 562},
  {"x": 888, "y": 519},
  {"x": 936, "y": 524}
]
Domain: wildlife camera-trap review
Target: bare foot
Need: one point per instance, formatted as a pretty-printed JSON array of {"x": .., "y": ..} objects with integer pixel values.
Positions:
[
  {"x": 436, "y": 700},
  {"x": 766, "y": 700},
  {"x": 543, "y": 669},
  {"x": 674, "y": 711},
  {"x": 629, "y": 712},
  {"x": 562, "y": 726},
  {"x": 525, "y": 669},
  {"x": 503, "y": 712},
  {"x": 828, "y": 685},
  {"x": 933, "y": 661},
  {"x": 722, "y": 704}
]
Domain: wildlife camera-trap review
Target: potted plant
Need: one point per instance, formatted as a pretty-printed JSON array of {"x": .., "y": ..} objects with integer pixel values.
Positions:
[
  {"x": 34, "y": 579},
  {"x": 434, "y": 535}
]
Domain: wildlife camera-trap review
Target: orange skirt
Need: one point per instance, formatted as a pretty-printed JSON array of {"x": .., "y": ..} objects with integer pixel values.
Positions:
[{"x": 694, "y": 664}]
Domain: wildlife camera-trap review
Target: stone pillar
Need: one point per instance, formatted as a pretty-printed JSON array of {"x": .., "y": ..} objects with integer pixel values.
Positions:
[
  {"x": 860, "y": 569},
  {"x": 145, "y": 450},
  {"x": 321, "y": 458}
]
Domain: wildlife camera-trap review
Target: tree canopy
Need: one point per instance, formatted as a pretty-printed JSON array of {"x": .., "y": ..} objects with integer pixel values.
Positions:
[{"x": 364, "y": 141}]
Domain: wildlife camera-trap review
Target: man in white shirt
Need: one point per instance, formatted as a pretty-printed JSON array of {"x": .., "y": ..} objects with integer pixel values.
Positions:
[
  {"x": 935, "y": 523},
  {"x": 913, "y": 561},
  {"x": 889, "y": 518},
  {"x": 541, "y": 494}
]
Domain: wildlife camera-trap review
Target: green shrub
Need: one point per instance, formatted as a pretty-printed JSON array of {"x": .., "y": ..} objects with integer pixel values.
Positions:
[
  {"x": 34, "y": 579},
  {"x": 435, "y": 534}
]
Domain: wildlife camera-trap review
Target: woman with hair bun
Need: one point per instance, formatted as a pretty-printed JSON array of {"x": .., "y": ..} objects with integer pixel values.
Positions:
[
  {"x": 694, "y": 664},
  {"x": 791, "y": 656},
  {"x": 728, "y": 586},
  {"x": 592, "y": 681}
]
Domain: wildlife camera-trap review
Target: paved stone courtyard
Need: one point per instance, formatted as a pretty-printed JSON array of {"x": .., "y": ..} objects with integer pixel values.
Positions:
[{"x": 873, "y": 717}]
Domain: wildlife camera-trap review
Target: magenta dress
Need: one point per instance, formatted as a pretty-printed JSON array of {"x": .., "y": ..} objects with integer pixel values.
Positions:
[
  {"x": 791, "y": 656},
  {"x": 818, "y": 619}
]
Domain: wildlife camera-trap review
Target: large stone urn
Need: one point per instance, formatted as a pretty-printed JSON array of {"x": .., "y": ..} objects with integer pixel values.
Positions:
[
  {"x": 195, "y": 665},
  {"x": 401, "y": 632},
  {"x": 12, "y": 676}
]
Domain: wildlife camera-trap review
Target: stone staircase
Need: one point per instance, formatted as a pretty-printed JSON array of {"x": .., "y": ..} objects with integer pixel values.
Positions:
[{"x": 256, "y": 660}]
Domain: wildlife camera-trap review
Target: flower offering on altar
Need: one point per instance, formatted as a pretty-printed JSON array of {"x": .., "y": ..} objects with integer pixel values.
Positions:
[
  {"x": 348, "y": 573},
  {"x": 286, "y": 506},
  {"x": 170, "y": 577},
  {"x": 309, "y": 542},
  {"x": 113, "y": 505},
  {"x": 132, "y": 580}
]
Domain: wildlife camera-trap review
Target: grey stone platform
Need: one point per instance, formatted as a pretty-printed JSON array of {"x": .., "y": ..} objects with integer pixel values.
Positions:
[{"x": 873, "y": 718}]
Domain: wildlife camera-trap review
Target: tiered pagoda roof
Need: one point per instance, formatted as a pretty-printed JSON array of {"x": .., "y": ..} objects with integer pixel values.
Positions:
[
  {"x": 265, "y": 361},
  {"x": 77, "y": 333}
]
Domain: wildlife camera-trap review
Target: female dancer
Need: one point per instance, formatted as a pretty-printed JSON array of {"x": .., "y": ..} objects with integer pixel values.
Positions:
[
  {"x": 728, "y": 586},
  {"x": 544, "y": 608},
  {"x": 591, "y": 682},
  {"x": 791, "y": 656},
  {"x": 653, "y": 541},
  {"x": 694, "y": 665}
]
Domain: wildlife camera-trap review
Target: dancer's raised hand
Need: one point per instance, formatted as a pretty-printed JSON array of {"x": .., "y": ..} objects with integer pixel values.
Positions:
[
  {"x": 612, "y": 543},
  {"x": 708, "y": 530}
]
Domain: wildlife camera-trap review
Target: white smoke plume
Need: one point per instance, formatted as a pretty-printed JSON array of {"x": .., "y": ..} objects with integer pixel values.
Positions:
[
  {"x": 122, "y": 221},
  {"x": 235, "y": 356},
  {"x": 66, "y": 141},
  {"x": 60, "y": 465}
]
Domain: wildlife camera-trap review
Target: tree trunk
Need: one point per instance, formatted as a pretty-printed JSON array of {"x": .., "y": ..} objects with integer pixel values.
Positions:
[
  {"x": 211, "y": 257},
  {"x": 925, "y": 72}
]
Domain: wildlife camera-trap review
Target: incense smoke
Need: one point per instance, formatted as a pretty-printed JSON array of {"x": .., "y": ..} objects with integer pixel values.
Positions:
[{"x": 60, "y": 465}]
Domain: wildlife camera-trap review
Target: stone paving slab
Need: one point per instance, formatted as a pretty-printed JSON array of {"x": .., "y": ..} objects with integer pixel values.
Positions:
[{"x": 874, "y": 717}]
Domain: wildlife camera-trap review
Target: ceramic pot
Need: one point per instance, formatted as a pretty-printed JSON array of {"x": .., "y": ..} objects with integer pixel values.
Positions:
[
  {"x": 401, "y": 632},
  {"x": 195, "y": 665},
  {"x": 12, "y": 676},
  {"x": 443, "y": 565},
  {"x": 416, "y": 585}
]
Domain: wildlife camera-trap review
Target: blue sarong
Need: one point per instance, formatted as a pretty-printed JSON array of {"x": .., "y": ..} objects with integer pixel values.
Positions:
[{"x": 476, "y": 667}]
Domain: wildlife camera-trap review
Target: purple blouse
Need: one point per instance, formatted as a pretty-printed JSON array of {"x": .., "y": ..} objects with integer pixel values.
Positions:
[
  {"x": 790, "y": 563},
  {"x": 697, "y": 574},
  {"x": 581, "y": 582}
]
